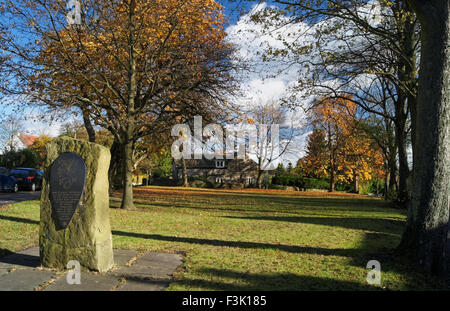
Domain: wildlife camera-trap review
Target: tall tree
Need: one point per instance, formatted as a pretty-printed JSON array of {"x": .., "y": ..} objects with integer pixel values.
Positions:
[
  {"x": 134, "y": 65},
  {"x": 316, "y": 161},
  {"x": 339, "y": 148},
  {"x": 268, "y": 115},
  {"x": 426, "y": 235},
  {"x": 361, "y": 158},
  {"x": 10, "y": 128},
  {"x": 380, "y": 130},
  {"x": 39, "y": 148},
  {"x": 332, "y": 118}
]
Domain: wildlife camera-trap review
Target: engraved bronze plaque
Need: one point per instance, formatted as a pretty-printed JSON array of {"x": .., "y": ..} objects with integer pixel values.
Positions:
[{"x": 67, "y": 180}]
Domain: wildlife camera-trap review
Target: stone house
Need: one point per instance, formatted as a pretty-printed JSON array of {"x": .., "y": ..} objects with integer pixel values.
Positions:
[{"x": 224, "y": 173}]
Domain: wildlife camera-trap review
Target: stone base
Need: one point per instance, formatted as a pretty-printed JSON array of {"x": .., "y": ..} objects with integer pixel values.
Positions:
[{"x": 87, "y": 238}]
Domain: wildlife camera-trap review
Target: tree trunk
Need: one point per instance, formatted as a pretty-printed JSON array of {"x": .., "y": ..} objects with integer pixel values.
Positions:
[
  {"x": 88, "y": 125},
  {"x": 392, "y": 185},
  {"x": 127, "y": 196},
  {"x": 185, "y": 175},
  {"x": 386, "y": 189},
  {"x": 412, "y": 102},
  {"x": 115, "y": 172},
  {"x": 332, "y": 181},
  {"x": 127, "y": 200},
  {"x": 409, "y": 75},
  {"x": 355, "y": 182},
  {"x": 391, "y": 162},
  {"x": 425, "y": 237},
  {"x": 406, "y": 70},
  {"x": 403, "y": 168},
  {"x": 392, "y": 181},
  {"x": 259, "y": 179}
]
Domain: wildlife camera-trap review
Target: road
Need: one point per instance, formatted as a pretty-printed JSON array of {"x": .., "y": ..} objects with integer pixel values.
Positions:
[{"x": 9, "y": 198}]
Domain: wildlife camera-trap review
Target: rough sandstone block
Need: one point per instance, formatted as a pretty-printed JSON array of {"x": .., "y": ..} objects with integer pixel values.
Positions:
[{"x": 88, "y": 237}]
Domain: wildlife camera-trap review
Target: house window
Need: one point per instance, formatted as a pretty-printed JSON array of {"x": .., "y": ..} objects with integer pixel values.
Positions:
[
  {"x": 249, "y": 180},
  {"x": 220, "y": 164},
  {"x": 219, "y": 180}
]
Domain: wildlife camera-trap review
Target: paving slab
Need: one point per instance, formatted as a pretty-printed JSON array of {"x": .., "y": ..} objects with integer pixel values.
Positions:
[
  {"x": 25, "y": 280},
  {"x": 26, "y": 259},
  {"x": 150, "y": 272},
  {"x": 34, "y": 251},
  {"x": 137, "y": 285},
  {"x": 3, "y": 272},
  {"x": 152, "y": 266},
  {"x": 123, "y": 256},
  {"x": 89, "y": 282}
]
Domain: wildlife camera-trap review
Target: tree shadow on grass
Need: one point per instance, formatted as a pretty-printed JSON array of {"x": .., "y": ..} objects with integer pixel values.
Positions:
[
  {"x": 351, "y": 252},
  {"x": 22, "y": 220},
  {"x": 391, "y": 226},
  {"x": 290, "y": 203},
  {"x": 371, "y": 248},
  {"x": 268, "y": 281},
  {"x": 288, "y": 206},
  {"x": 218, "y": 209}
]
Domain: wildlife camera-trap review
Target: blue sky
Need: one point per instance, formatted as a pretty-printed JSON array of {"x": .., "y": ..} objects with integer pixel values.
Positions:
[{"x": 235, "y": 8}]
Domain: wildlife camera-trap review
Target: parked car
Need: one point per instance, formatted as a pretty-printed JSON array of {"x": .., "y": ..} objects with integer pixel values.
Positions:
[
  {"x": 28, "y": 178},
  {"x": 8, "y": 183},
  {"x": 4, "y": 171}
]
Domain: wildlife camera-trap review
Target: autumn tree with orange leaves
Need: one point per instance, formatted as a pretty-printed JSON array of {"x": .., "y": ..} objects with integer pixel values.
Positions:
[
  {"x": 134, "y": 66},
  {"x": 39, "y": 147},
  {"x": 337, "y": 148}
]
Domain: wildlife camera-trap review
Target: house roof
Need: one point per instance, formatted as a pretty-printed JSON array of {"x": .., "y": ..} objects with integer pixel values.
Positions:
[{"x": 27, "y": 140}]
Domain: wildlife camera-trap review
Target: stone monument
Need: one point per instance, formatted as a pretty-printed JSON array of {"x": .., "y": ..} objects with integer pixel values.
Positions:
[{"x": 74, "y": 221}]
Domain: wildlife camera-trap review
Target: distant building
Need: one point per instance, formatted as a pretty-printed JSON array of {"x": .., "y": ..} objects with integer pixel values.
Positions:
[
  {"x": 224, "y": 172},
  {"x": 18, "y": 142}
]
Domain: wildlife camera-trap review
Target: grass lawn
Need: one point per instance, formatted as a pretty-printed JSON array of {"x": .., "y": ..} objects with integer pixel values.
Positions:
[{"x": 251, "y": 239}]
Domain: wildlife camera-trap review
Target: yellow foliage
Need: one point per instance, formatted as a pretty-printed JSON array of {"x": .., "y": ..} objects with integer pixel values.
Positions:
[{"x": 348, "y": 151}]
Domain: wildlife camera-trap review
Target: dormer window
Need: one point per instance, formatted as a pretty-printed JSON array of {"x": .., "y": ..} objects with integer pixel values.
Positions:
[{"x": 220, "y": 164}]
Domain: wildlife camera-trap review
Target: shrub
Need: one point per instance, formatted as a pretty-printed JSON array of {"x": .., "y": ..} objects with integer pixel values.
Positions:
[
  {"x": 343, "y": 187},
  {"x": 277, "y": 187},
  {"x": 376, "y": 187},
  {"x": 285, "y": 180},
  {"x": 314, "y": 183}
]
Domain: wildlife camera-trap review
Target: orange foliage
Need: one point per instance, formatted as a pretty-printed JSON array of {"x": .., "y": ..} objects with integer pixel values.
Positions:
[
  {"x": 345, "y": 150},
  {"x": 39, "y": 145},
  {"x": 171, "y": 46}
]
